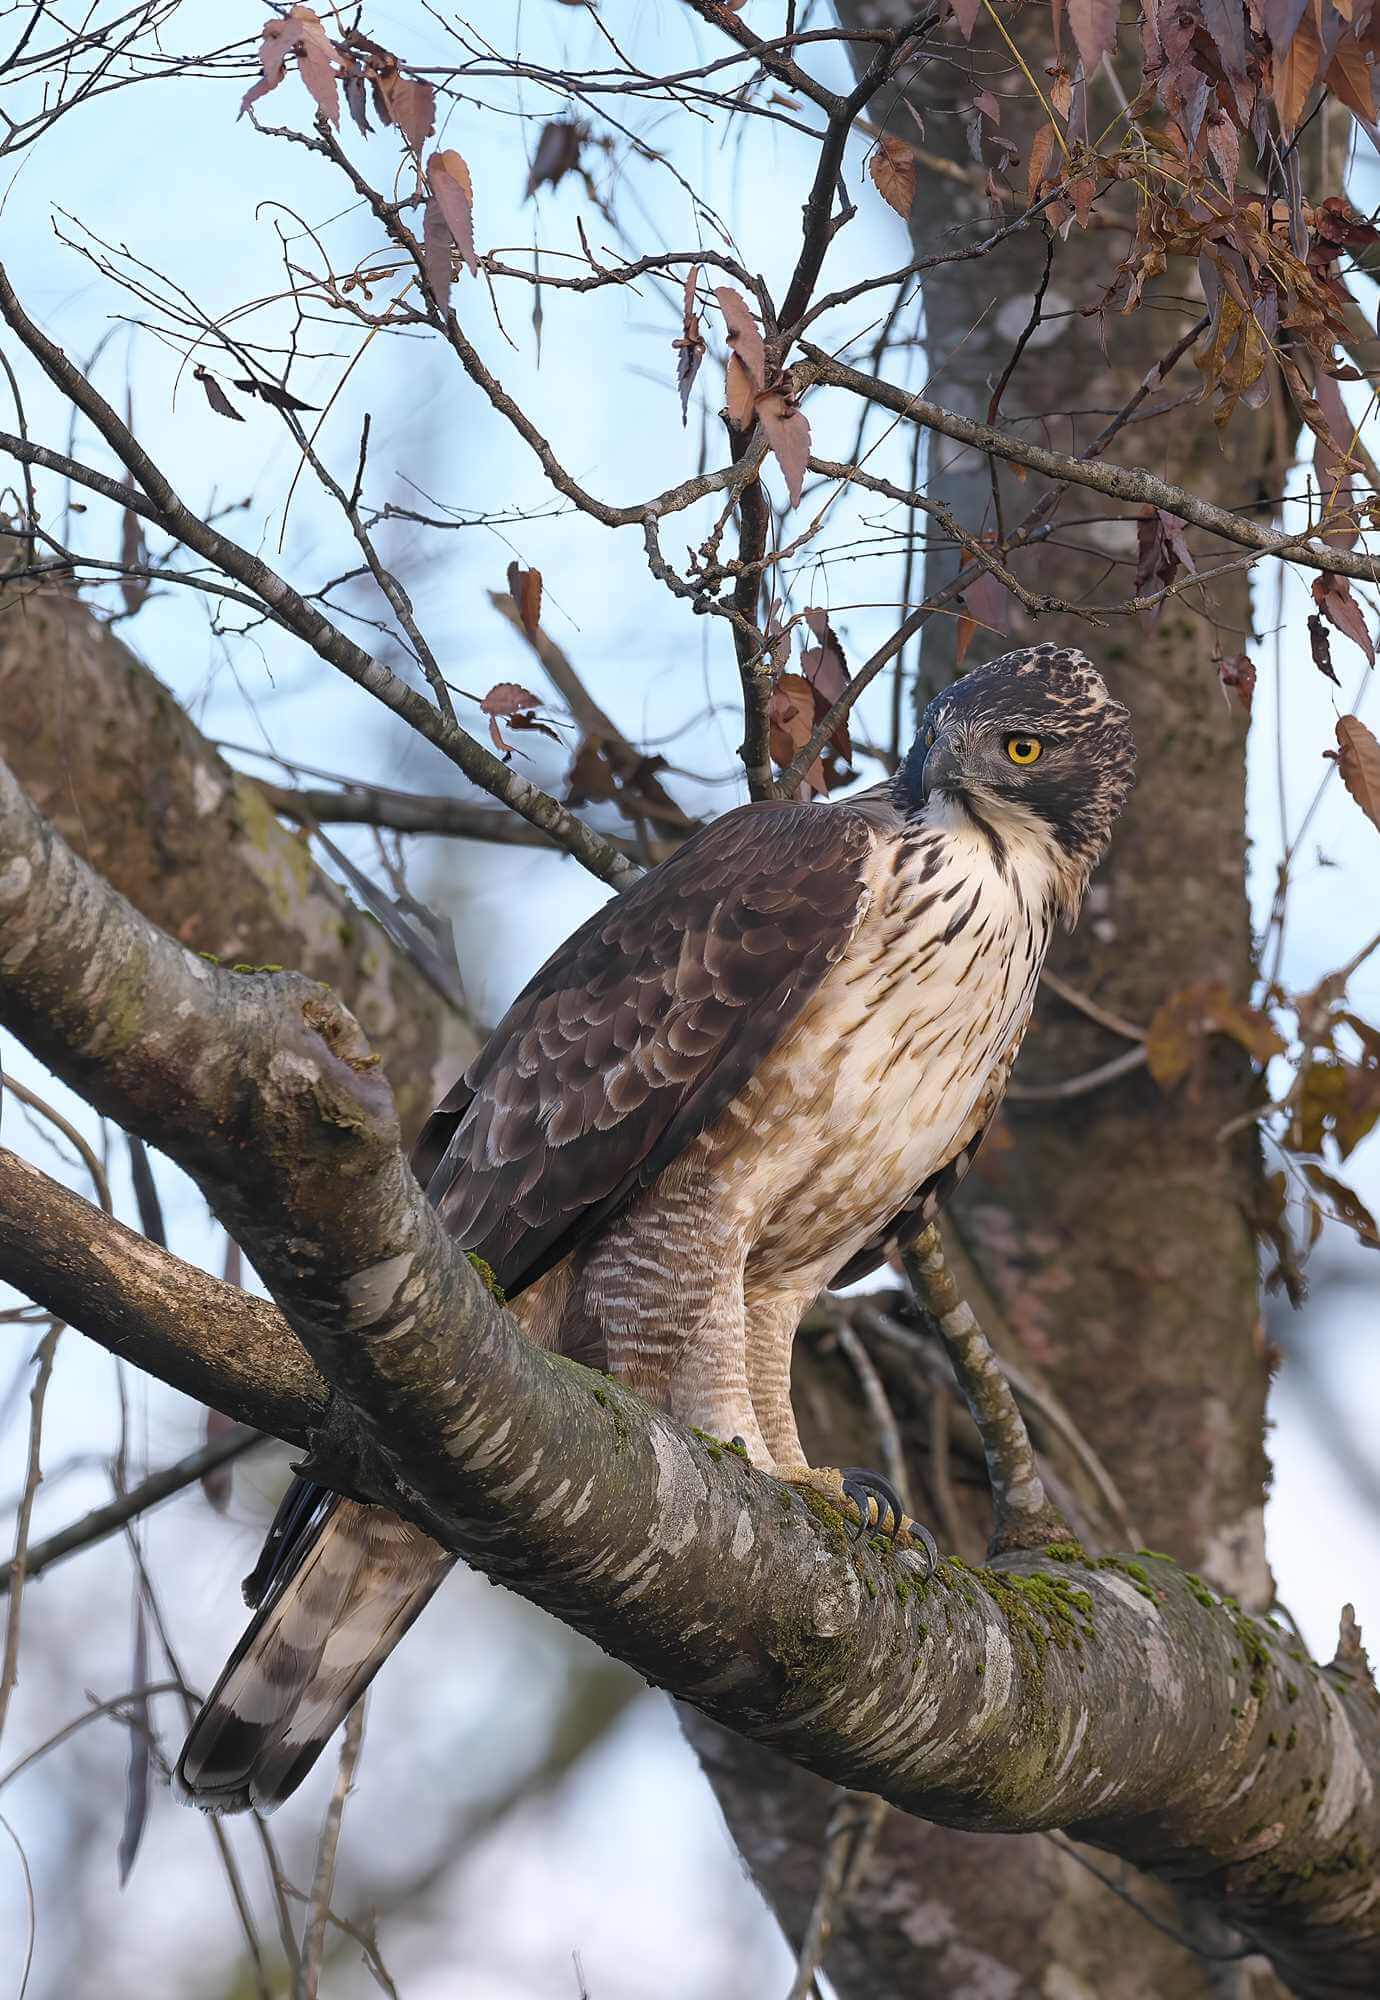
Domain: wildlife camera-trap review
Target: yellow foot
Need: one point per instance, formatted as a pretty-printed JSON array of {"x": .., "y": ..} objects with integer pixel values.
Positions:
[{"x": 864, "y": 1497}]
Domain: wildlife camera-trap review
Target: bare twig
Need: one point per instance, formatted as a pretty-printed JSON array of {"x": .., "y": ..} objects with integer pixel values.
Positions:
[
  {"x": 848, "y": 1842},
  {"x": 318, "y": 1909},
  {"x": 9, "y": 1670},
  {"x": 1025, "y": 1516}
]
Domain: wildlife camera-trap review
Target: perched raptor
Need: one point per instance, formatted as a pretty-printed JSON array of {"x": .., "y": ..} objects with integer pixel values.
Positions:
[{"x": 744, "y": 1080}]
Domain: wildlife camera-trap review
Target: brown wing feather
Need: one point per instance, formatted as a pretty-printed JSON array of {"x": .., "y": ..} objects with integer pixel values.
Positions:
[{"x": 645, "y": 1024}]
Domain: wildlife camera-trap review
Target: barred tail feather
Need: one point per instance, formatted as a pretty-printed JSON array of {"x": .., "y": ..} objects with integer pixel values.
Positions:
[{"x": 349, "y": 1588}]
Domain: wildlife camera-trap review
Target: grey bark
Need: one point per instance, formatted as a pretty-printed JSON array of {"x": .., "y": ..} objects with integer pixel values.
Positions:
[{"x": 1122, "y": 1700}]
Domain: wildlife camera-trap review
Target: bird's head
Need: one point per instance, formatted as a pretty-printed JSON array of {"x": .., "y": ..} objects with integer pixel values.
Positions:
[{"x": 1033, "y": 752}]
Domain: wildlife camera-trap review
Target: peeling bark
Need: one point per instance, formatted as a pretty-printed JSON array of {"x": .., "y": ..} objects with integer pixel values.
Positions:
[{"x": 1119, "y": 1698}]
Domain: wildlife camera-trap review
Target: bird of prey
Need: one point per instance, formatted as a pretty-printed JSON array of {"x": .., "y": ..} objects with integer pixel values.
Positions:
[{"x": 751, "y": 1076}]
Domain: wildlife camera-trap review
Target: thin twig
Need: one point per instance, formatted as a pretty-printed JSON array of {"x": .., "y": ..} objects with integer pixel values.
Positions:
[
  {"x": 318, "y": 1910},
  {"x": 159, "y": 1486},
  {"x": 851, "y": 1835},
  {"x": 9, "y": 1672},
  {"x": 1025, "y": 1515}
]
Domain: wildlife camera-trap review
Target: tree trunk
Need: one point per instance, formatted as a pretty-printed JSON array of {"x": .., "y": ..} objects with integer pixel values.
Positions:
[{"x": 1106, "y": 1237}]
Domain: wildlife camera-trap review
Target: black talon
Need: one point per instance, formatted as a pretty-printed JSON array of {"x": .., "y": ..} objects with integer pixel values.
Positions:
[
  {"x": 863, "y": 1488},
  {"x": 927, "y": 1543}
]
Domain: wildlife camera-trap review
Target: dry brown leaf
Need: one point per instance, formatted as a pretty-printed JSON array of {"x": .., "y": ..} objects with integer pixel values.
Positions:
[
  {"x": 744, "y": 337},
  {"x": 216, "y": 396},
  {"x": 791, "y": 722},
  {"x": 450, "y": 182},
  {"x": 788, "y": 434},
  {"x": 893, "y": 167},
  {"x": 524, "y": 586},
  {"x": 438, "y": 248},
  {"x": 1041, "y": 147},
  {"x": 964, "y": 627},
  {"x": 740, "y": 395},
  {"x": 966, "y": 13},
  {"x": 1358, "y": 763},
  {"x": 1094, "y": 29},
  {"x": 411, "y": 106},
  {"x": 557, "y": 154},
  {"x": 690, "y": 346},
  {"x": 1295, "y": 73},
  {"x": 1349, "y": 77},
  {"x": 1332, "y": 595},
  {"x": 133, "y": 589}
]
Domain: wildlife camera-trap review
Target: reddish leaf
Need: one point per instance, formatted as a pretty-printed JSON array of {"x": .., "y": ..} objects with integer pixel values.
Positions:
[
  {"x": 1237, "y": 676},
  {"x": 1094, "y": 29},
  {"x": 1332, "y": 595},
  {"x": 791, "y": 722},
  {"x": 410, "y": 105},
  {"x": 739, "y": 395},
  {"x": 989, "y": 106},
  {"x": 964, "y": 627},
  {"x": 216, "y": 396},
  {"x": 437, "y": 248},
  {"x": 454, "y": 191},
  {"x": 1041, "y": 147},
  {"x": 788, "y": 434},
  {"x": 557, "y": 154},
  {"x": 1294, "y": 74},
  {"x": 1349, "y": 77},
  {"x": 303, "y": 34},
  {"x": 525, "y": 588},
  {"x": 1358, "y": 761},
  {"x": 356, "y": 103},
  {"x": 514, "y": 705},
  {"x": 1177, "y": 1033},
  {"x": 1321, "y": 647},
  {"x": 966, "y": 13},
  {"x": 823, "y": 664},
  {"x": 893, "y": 167},
  {"x": 743, "y": 334}
]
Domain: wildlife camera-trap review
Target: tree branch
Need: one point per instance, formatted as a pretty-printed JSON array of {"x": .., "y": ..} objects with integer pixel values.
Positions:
[{"x": 1118, "y": 1699}]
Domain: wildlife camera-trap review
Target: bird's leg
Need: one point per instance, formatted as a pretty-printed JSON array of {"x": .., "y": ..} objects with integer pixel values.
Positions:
[{"x": 772, "y": 1319}]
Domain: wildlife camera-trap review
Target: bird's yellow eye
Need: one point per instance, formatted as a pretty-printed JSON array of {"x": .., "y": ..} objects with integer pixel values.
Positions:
[{"x": 1024, "y": 749}]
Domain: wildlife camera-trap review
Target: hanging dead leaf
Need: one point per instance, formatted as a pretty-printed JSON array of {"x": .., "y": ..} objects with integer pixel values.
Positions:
[
  {"x": 557, "y": 154},
  {"x": 1176, "y": 1038},
  {"x": 438, "y": 253},
  {"x": 788, "y": 434},
  {"x": 894, "y": 167},
  {"x": 790, "y": 725},
  {"x": 1237, "y": 677},
  {"x": 216, "y": 396},
  {"x": 1320, "y": 645},
  {"x": 408, "y": 103},
  {"x": 272, "y": 393},
  {"x": 966, "y": 13},
  {"x": 1357, "y": 758},
  {"x": 1094, "y": 29},
  {"x": 134, "y": 555},
  {"x": 690, "y": 347},
  {"x": 300, "y": 33},
  {"x": 450, "y": 183},
  {"x": 1041, "y": 151},
  {"x": 524, "y": 586},
  {"x": 744, "y": 336},
  {"x": 1295, "y": 72},
  {"x": 1332, "y": 595},
  {"x": 516, "y": 706},
  {"x": 739, "y": 395}
]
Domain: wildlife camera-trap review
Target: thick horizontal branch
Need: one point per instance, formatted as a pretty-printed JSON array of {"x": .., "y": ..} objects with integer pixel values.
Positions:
[
  {"x": 1134, "y": 484},
  {"x": 1119, "y": 1699}
]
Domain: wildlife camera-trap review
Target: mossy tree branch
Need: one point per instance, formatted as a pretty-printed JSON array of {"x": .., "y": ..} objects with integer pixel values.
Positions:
[{"x": 1118, "y": 1699}]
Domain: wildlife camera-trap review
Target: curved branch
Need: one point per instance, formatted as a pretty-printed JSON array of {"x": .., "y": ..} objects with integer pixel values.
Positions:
[{"x": 1118, "y": 1699}]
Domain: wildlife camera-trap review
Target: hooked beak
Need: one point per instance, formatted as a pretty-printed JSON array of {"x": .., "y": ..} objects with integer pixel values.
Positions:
[{"x": 943, "y": 771}]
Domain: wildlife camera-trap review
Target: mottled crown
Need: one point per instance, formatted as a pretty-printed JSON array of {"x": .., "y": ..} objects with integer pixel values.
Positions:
[{"x": 1081, "y": 782}]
